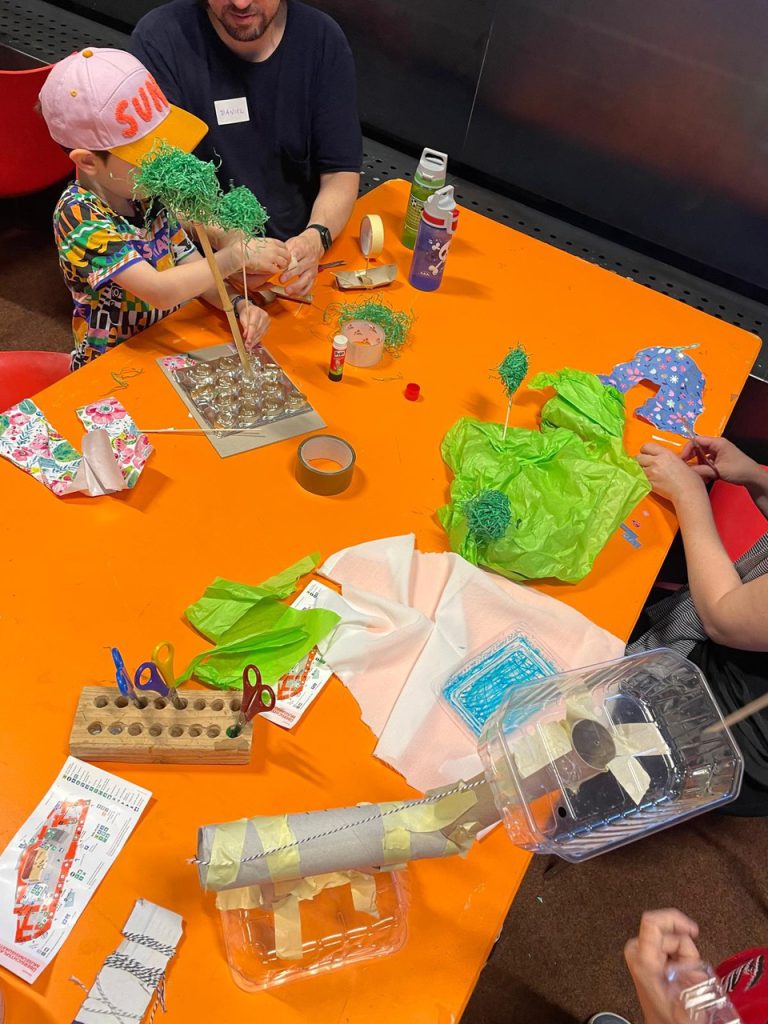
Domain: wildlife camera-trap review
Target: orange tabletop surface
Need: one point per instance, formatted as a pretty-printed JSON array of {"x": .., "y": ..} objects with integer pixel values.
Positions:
[{"x": 81, "y": 574}]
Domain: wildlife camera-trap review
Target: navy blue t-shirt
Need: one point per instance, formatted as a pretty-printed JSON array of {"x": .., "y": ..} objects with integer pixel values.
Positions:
[{"x": 301, "y": 103}]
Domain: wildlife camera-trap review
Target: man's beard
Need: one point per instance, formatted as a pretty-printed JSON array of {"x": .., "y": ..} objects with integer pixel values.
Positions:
[{"x": 242, "y": 33}]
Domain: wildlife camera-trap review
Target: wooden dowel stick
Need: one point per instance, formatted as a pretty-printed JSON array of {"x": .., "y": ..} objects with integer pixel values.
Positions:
[
  {"x": 738, "y": 716},
  {"x": 226, "y": 303}
]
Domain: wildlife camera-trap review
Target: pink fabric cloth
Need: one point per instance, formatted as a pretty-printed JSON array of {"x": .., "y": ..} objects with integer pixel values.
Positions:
[{"x": 409, "y": 621}]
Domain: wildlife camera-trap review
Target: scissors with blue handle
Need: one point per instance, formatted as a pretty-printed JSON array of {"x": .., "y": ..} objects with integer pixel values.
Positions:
[{"x": 124, "y": 683}]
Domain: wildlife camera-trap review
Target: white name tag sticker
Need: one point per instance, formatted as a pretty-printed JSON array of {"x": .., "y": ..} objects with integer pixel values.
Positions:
[{"x": 232, "y": 111}]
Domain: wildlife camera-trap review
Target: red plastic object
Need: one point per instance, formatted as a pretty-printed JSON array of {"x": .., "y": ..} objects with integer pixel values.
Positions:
[
  {"x": 738, "y": 520},
  {"x": 31, "y": 159},
  {"x": 412, "y": 392},
  {"x": 23, "y": 374}
]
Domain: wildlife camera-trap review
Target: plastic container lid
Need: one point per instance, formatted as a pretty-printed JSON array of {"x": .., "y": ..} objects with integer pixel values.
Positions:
[{"x": 433, "y": 165}]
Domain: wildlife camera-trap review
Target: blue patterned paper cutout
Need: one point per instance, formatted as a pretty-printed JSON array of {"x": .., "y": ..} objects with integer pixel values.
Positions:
[
  {"x": 479, "y": 688},
  {"x": 678, "y": 402}
]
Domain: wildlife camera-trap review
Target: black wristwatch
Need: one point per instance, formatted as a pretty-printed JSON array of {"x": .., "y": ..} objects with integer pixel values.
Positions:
[{"x": 325, "y": 235}]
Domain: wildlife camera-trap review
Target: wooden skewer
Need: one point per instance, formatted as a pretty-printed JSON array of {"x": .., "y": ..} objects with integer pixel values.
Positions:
[
  {"x": 226, "y": 302},
  {"x": 201, "y": 430},
  {"x": 506, "y": 421},
  {"x": 666, "y": 440},
  {"x": 738, "y": 716}
]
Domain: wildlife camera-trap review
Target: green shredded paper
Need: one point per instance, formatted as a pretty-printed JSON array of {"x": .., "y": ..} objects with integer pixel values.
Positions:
[
  {"x": 570, "y": 484},
  {"x": 396, "y": 323},
  {"x": 249, "y": 625},
  {"x": 240, "y": 210},
  {"x": 512, "y": 369}
]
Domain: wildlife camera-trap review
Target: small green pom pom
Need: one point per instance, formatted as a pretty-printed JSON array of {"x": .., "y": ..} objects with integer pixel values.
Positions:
[
  {"x": 488, "y": 514},
  {"x": 512, "y": 369},
  {"x": 240, "y": 210},
  {"x": 395, "y": 323}
]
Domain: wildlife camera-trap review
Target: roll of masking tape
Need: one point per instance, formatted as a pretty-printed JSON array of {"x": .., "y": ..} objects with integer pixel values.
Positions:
[
  {"x": 371, "y": 235},
  {"x": 366, "y": 342},
  {"x": 327, "y": 448}
]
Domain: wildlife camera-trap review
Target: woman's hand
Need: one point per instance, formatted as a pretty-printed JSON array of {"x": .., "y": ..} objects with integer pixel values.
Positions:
[
  {"x": 668, "y": 473},
  {"x": 666, "y": 940},
  {"x": 730, "y": 462},
  {"x": 254, "y": 322}
]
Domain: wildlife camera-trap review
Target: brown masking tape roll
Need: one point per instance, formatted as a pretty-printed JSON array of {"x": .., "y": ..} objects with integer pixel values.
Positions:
[
  {"x": 371, "y": 235},
  {"x": 325, "y": 481}
]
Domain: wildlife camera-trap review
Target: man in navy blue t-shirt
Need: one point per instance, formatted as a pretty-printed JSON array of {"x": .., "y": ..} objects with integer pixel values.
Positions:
[{"x": 275, "y": 82}]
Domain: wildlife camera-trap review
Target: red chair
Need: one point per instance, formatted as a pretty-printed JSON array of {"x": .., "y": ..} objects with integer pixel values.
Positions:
[
  {"x": 31, "y": 159},
  {"x": 23, "y": 374},
  {"x": 738, "y": 520}
]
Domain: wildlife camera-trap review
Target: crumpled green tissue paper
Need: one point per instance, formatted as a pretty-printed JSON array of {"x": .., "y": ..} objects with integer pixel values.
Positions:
[
  {"x": 569, "y": 484},
  {"x": 249, "y": 625}
]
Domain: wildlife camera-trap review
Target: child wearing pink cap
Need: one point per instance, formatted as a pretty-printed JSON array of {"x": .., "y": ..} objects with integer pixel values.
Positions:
[{"x": 128, "y": 266}]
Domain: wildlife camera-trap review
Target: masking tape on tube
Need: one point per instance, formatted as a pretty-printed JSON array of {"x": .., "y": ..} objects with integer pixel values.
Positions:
[
  {"x": 226, "y": 853},
  {"x": 371, "y": 235},
  {"x": 275, "y": 833},
  {"x": 323, "y": 481}
]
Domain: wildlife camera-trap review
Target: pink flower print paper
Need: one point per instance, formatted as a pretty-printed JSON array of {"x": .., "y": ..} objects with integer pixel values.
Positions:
[
  {"x": 30, "y": 442},
  {"x": 130, "y": 447},
  {"x": 177, "y": 362},
  {"x": 678, "y": 402}
]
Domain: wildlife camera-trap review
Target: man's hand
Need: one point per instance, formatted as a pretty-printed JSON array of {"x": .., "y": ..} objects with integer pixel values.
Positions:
[
  {"x": 307, "y": 250},
  {"x": 729, "y": 461},
  {"x": 666, "y": 940},
  {"x": 668, "y": 473}
]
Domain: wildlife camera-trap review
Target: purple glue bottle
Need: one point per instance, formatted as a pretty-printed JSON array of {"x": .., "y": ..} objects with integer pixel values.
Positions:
[{"x": 438, "y": 224}]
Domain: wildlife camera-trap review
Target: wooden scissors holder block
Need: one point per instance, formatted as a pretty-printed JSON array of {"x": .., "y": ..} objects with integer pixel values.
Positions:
[{"x": 110, "y": 727}]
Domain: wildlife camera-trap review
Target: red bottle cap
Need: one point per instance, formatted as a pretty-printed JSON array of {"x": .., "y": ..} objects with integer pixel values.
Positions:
[{"x": 412, "y": 392}]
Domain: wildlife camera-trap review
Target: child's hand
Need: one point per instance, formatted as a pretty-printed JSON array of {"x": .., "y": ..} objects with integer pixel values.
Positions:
[
  {"x": 730, "y": 462},
  {"x": 668, "y": 474},
  {"x": 254, "y": 322},
  {"x": 266, "y": 256},
  {"x": 666, "y": 939}
]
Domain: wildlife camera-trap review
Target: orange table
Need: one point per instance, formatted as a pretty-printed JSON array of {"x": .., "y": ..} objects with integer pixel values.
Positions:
[{"x": 81, "y": 574}]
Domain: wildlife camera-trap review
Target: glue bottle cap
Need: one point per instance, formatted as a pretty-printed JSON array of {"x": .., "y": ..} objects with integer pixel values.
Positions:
[{"x": 340, "y": 342}]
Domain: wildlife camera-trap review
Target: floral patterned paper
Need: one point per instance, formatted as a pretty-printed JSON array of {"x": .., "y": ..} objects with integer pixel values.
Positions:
[
  {"x": 177, "y": 362},
  {"x": 29, "y": 441},
  {"x": 131, "y": 448},
  {"x": 678, "y": 402}
]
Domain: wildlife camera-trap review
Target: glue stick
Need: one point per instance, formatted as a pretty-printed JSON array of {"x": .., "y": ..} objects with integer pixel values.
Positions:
[{"x": 338, "y": 355}]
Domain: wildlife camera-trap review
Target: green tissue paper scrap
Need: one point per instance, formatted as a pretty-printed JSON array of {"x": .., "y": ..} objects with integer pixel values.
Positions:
[
  {"x": 250, "y": 626},
  {"x": 570, "y": 484}
]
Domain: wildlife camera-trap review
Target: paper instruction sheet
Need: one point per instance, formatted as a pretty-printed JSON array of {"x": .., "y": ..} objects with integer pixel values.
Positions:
[
  {"x": 297, "y": 689},
  {"x": 55, "y": 862}
]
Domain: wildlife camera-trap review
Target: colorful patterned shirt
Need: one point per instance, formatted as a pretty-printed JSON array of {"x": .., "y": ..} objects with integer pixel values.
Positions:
[{"x": 95, "y": 244}]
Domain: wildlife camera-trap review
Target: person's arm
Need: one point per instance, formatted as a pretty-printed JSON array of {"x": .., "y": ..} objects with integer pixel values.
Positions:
[
  {"x": 332, "y": 207},
  {"x": 733, "y": 613},
  {"x": 336, "y": 153},
  {"x": 166, "y": 289},
  {"x": 254, "y": 321},
  {"x": 666, "y": 939}
]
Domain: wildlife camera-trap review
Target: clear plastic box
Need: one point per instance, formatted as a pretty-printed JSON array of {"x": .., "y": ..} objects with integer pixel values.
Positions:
[
  {"x": 701, "y": 995},
  {"x": 586, "y": 761},
  {"x": 333, "y": 934}
]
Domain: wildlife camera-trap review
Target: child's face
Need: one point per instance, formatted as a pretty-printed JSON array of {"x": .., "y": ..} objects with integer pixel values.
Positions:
[
  {"x": 111, "y": 174},
  {"x": 118, "y": 176}
]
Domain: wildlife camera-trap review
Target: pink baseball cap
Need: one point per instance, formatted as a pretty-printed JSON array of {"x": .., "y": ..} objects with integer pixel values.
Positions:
[{"x": 106, "y": 99}]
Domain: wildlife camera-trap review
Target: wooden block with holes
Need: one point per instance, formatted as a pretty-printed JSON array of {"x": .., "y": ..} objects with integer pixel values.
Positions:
[{"x": 150, "y": 730}]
